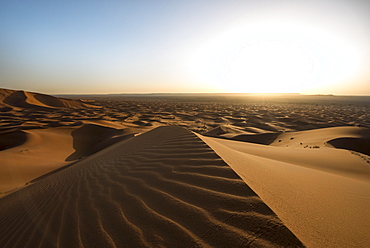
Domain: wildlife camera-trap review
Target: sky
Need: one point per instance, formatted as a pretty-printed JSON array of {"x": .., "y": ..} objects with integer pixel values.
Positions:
[{"x": 163, "y": 46}]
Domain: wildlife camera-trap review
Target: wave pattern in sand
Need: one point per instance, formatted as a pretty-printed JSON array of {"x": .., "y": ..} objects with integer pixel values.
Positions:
[{"x": 165, "y": 188}]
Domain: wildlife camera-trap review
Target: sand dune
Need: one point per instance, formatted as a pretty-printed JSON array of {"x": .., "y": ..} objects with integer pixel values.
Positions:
[
  {"x": 165, "y": 188},
  {"x": 24, "y": 99},
  {"x": 40, "y": 133},
  {"x": 90, "y": 138},
  {"x": 42, "y": 152},
  {"x": 29, "y": 154},
  {"x": 311, "y": 149},
  {"x": 321, "y": 194},
  {"x": 88, "y": 173},
  {"x": 238, "y": 115},
  {"x": 361, "y": 145},
  {"x": 258, "y": 138}
]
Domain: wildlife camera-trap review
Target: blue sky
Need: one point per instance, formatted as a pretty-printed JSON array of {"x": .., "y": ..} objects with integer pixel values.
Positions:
[{"x": 185, "y": 46}]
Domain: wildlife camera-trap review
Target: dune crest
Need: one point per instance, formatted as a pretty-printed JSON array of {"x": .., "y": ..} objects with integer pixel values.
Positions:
[
  {"x": 26, "y": 155},
  {"x": 24, "y": 99},
  {"x": 322, "y": 195},
  {"x": 74, "y": 175},
  {"x": 41, "y": 133},
  {"x": 164, "y": 188}
]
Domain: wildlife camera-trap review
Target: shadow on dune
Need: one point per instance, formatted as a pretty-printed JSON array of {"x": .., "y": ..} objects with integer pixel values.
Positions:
[
  {"x": 142, "y": 123},
  {"x": 353, "y": 144},
  {"x": 19, "y": 99},
  {"x": 260, "y": 138},
  {"x": 12, "y": 139},
  {"x": 5, "y": 108},
  {"x": 32, "y": 100},
  {"x": 49, "y": 100},
  {"x": 91, "y": 138}
]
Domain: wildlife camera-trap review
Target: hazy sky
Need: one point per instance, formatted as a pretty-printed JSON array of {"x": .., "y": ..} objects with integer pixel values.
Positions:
[{"x": 142, "y": 46}]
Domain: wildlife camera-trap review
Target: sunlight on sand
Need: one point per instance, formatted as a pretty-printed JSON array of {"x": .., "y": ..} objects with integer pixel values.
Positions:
[{"x": 184, "y": 170}]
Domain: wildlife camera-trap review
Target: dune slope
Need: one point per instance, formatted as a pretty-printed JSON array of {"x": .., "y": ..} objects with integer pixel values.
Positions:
[
  {"x": 313, "y": 149},
  {"x": 321, "y": 194},
  {"x": 35, "y": 153},
  {"x": 26, "y": 155},
  {"x": 24, "y": 99},
  {"x": 164, "y": 188}
]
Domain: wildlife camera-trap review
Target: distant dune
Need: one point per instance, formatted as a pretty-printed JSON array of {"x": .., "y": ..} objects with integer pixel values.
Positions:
[
  {"x": 41, "y": 133},
  {"x": 183, "y": 171},
  {"x": 24, "y": 99}
]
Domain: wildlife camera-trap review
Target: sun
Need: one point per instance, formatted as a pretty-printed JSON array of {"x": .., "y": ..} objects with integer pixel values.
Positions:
[
  {"x": 274, "y": 57},
  {"x": 270, "y": 66}
]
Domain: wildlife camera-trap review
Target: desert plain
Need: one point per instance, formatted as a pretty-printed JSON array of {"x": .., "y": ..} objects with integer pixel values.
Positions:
[{"x": 184, "y": 170}]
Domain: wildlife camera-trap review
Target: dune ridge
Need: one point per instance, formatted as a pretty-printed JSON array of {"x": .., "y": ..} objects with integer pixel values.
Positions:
[
  {"x": 40, "y": 133},
  {"x": 163, "y": 188},
  {"x": 322, "y": 195},
  {"x": 74, "y": 174},
  {"x": 28, "y": 154},
  {"x": 24, "y": 99},
  {"x": 313, "y": 149}
]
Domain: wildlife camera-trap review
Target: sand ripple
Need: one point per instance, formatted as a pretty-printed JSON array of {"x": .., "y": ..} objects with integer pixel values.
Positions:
[{"x": 165, "y": 188}]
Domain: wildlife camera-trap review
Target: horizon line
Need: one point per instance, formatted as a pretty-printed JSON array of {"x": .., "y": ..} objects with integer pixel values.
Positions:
[
  {"x": 189, "y": 93},
  {"x": 203, "y": 93}
]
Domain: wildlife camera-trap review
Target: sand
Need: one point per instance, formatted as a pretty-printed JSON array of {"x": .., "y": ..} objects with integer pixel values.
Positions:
[
  {"x": 322, "y": 196},
  {"x": 41, "y": 133},
  {"x": 184, "y": 171},
  {"x": 165, "y": 188}
]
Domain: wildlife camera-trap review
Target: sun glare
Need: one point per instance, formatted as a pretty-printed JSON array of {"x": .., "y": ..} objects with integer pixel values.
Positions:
[
  {"x": 274, "y": 57},
  {"x": 269, "y": 66}
]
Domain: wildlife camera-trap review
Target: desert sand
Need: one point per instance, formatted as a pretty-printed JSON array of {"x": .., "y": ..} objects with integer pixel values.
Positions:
[
  {"x": 184, "y": 171},
  {"x": 321, "y": 194}
]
